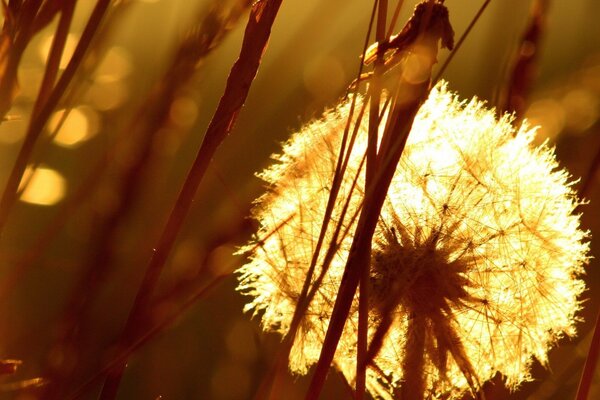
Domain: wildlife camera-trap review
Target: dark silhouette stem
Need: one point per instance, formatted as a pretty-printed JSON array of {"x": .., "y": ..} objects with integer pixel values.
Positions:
[{"x": 258, "y": 29}]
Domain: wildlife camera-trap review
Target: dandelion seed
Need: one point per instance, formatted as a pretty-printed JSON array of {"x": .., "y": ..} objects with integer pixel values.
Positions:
[{"x": 475, "y": 260}]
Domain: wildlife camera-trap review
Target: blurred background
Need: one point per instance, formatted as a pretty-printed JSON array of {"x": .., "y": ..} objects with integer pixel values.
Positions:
[{"x": 76, "y": 205}]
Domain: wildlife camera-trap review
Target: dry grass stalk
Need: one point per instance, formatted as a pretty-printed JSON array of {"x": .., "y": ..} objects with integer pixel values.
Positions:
[
  {"x": 258, "y": 29},
  {"x": 375, "y": 88},
  {"x": 524, "y": 68},
  {"x": 427, "y": 27},
  {"x": 151, "y": 118}
]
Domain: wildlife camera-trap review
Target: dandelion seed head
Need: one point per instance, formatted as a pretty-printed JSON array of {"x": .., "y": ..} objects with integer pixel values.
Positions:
[{"x": 476, "y": 257}]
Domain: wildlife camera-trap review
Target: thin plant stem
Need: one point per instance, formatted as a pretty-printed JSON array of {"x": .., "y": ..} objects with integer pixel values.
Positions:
[
  {"x": 258, "y": 29},
  {"x": 395, "y": 16},
  {"x": 152, "y": 116},
  {"x": 429, "y": 32},
  {"x": 593, "y": 355},
  {"x": 591, "y": 362},
  {"x": 358, "y": 256},
  {"x": 589, "y": 178},
  {"x": 392, "y": 144},
  {"x": 375, "y": 98},
  {"x": 50, "y": 74},
  {"x": 55, "y": 55},
  {"x": 525, "y": 61},
  {"x": 269, "y": 387},
  {"x": 460, "y": 41}
]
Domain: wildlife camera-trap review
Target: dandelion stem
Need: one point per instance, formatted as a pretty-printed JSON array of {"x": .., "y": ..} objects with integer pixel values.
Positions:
[
  {"x": 392, "y": 144},
  {"x": 589, "y": 178},
  {"x": 413, "y": 387},
  {"x": 145, "y": 127}
]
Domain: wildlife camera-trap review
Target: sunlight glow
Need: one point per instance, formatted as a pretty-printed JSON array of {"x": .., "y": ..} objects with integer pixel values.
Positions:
[
  {"x": 107, "y": 95},
  {"x": 79, "y": 125},
  {"x": 477, "y": 251},
  {"x": 45, "y": 187},
  {"x": 13, "y": 128}
]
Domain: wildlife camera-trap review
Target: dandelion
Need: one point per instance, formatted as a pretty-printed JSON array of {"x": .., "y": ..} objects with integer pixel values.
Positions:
[{"x": 475, "y": 260}]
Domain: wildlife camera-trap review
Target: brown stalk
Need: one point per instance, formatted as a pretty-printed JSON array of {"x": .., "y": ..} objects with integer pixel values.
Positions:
[
  {"x": 461, "y": 41},
  {"x": 55, "y": 55},
  {"x": 51, "y": 72},
  {"x": 591, "y": 362},
  {"x": 394, "y": 19},
  {"x": 270, "y": 385},
  {"x": 375, "y": 98},
  {"x": 524, "y": 69},
  {"x": 152, "y": 116},
  {"x": 258, "y": 29},
  {"x": 590, "y": 177},
  {"x": 37, "y": 123},
  {"x": 185, "y": 293},
  {"x": 18, "y": 29},
  {"x": 394, "y": 137}
]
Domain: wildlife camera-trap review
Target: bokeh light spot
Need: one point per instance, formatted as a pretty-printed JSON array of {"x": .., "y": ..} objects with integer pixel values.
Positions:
[
  {"x": 105, "y": 96},
  {"x": 45, "y": 187},
  {"x": 324, "y": 77},
  {"x": 184, "y": 111},
  {"x": 582, "y": 109},
  {"x": 115, "y": 65},
  {"x": 79, "y": 125}
]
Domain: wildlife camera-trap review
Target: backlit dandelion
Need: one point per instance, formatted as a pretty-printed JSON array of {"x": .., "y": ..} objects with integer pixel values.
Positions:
[{"x": 475, "y": 260}]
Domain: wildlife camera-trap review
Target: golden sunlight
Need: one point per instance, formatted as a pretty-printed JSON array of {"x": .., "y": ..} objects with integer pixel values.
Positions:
[
  {"x": 477, "y": 255},
  {"x": 44, "y": 186}
]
